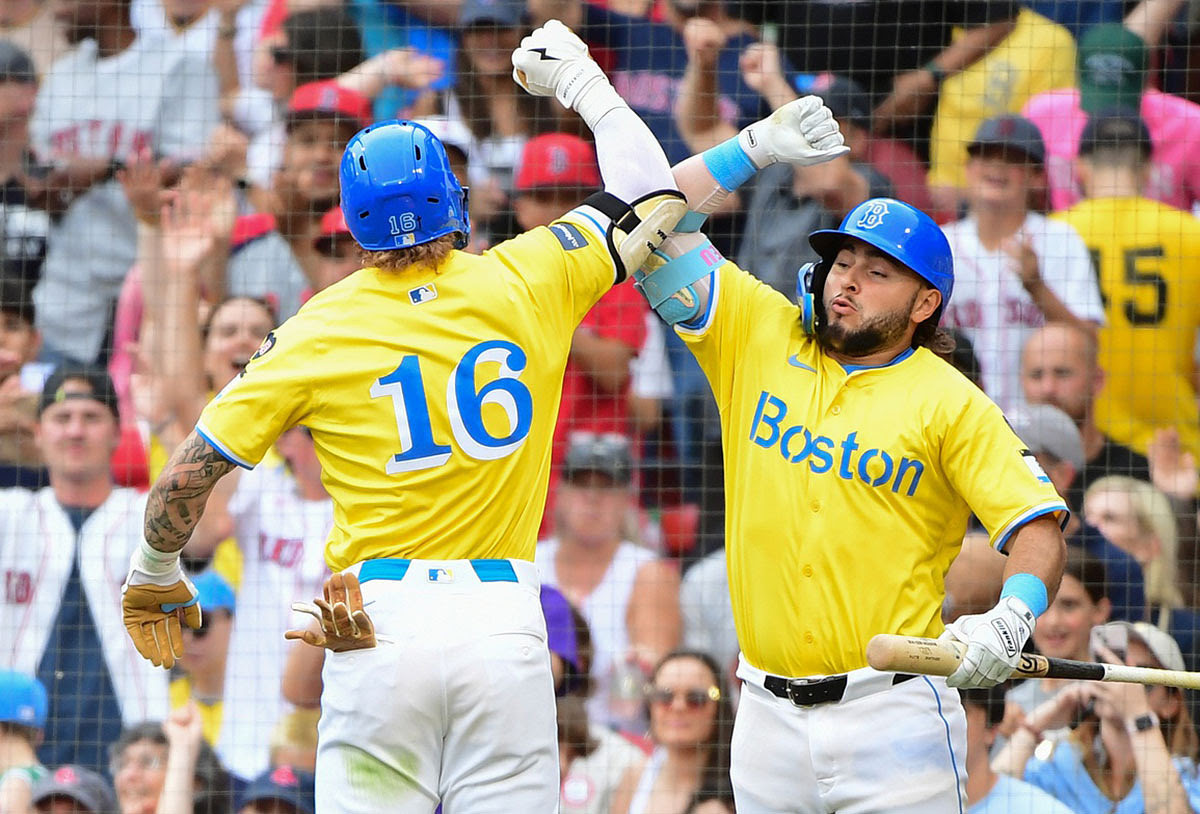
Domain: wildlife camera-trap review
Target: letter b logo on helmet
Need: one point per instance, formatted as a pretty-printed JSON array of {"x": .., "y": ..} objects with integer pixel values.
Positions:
[
  {"x": 398, "y": 189},
  {"x": 873, "y": 216}
]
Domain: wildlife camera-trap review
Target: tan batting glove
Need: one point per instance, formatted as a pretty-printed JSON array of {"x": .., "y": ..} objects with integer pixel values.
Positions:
[
  {"x": 344, "y": 625},
  {"x": 802, "y": 132},
  {"x": 154, "y": 593}
]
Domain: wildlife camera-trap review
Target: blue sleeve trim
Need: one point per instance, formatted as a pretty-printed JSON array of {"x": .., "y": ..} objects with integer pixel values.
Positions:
[
  {"x": 1029, "y": 589},
  {"x": 729, "y": 164},
  {"x": 1057, "y": 507},
  {"x": 221, "y": 448},
  {"x": 700, "y": 325}
]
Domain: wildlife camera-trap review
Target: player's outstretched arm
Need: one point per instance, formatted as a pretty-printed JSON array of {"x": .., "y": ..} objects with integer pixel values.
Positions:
[
  {"x": 156, "y": 589},
  {"x": 802, "y": 132}
]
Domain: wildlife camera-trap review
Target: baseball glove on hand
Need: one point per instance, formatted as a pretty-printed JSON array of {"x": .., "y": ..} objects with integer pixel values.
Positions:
[
  {"x": 150, "y": 606},
  {"x": 803, "y": 132},
  {"x": 994, "y": 641},
  {"x": 344, "y": 623}
]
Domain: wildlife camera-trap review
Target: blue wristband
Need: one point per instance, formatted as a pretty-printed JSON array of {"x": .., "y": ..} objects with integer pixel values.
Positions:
[
  {"x": 1029, "y": 589},
  {"x": 729, "y": 164},
  {"x": 691, "y": 222}
]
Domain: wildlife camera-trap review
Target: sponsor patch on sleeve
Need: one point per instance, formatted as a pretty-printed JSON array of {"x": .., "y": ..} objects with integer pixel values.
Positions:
[
  {"x": 1034, "y": 467},
  {"x": 568, "y": 235}
]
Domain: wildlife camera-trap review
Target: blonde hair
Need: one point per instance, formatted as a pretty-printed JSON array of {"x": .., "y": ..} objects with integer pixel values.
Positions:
[
  {"x": 426, "y": 254},
  {"x": 1154, "y": 516}
]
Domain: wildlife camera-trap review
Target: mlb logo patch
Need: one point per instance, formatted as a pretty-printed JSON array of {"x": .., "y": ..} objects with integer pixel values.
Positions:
[
  {"x": 441, "y": 575},
  {"x": 423, "y": 294}
]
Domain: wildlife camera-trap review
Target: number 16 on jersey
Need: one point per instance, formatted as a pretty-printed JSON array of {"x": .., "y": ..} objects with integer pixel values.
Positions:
[{"x": 464, "y": 407}]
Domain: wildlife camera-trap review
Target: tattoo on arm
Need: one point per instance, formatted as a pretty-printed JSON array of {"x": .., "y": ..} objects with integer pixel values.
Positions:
[{"x": 178, "y": 497}]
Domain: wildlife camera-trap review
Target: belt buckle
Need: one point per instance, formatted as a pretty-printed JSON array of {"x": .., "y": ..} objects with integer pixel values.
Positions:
[{"x": 805, "y": 699}]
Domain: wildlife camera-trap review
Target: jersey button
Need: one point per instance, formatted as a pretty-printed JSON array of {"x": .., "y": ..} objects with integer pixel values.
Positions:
[
  {"x": 808, "y": 570},
  {"x": 808, "y": 637},
  {"x": 815, "y": 505},
  {"x": 837, "y": 410}
]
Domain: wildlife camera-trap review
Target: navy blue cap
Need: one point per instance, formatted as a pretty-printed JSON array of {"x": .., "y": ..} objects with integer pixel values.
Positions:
[
  {"x": 1011, "y": 132},
  {"x": 285, "y": 784}
]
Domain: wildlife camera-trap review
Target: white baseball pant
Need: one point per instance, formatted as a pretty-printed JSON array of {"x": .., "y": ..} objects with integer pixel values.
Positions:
[
  {"x": 456, "y": 706},
  {"x": 889, "y": 747}
]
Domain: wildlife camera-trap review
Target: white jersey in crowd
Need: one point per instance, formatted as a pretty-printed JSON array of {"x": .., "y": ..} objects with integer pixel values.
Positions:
[
  {"x": 282, "y": 539},
  {"x": 589, "y": 783},
  {"x": 707, "y": 610},
  {"x": 149, "y": 18},
  {"x": 650, "y": 371},
  {"x": 992, "y": 308},
  {"x": 605, "y": 610},
  {"x": 152, "y": 97},
  {"x": 38, "y": 546}
]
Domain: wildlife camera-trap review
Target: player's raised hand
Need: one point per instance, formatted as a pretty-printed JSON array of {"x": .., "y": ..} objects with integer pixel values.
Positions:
[
  {"x": 344, "y": 624},
  {"x": 152, "y": 598},
  {"x": 802, "y": 132},
  {"x": 994, "y": 641},
  {"x": 553, "y": 61}
]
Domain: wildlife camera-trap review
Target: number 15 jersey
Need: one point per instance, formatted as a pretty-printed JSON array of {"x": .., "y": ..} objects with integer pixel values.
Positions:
[
  {"x": 1147, "y": 258},
  {"x": 431, "y": 394}
]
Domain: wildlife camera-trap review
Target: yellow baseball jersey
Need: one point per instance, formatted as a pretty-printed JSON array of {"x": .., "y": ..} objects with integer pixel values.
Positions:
[
  {"x": 180, "y": 690},
  {"x": 1038, "y": 55},
  {"x": 847, "y": 491},
  {"x": 1147, "y": 258},
  {"x": 431, "y": 394}
]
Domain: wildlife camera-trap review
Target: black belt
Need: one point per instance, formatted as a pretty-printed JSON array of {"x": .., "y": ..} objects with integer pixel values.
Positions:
[{"x": 805, "y": 693}]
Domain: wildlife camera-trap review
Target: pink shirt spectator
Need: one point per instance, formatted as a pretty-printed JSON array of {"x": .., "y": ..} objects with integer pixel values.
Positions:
[{"x": 1174, "y": 125}]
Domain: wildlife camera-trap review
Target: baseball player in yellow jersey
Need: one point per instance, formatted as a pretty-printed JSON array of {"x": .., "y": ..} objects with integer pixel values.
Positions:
[
  {"x": 1147, "y": 258},
  {"x": 853, "y": 457},
  {"x": 429, "y": 380}
]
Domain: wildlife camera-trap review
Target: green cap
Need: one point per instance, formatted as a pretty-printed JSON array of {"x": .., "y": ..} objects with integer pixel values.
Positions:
[{"x": 1112, "y": 63}]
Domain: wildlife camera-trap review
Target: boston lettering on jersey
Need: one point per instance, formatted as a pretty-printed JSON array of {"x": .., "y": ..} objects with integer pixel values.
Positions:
[{"x": 874, "y": 467}]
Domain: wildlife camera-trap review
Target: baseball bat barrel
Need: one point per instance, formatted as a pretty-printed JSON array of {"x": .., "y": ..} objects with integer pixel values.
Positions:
[{"x": 912, "y": 654}]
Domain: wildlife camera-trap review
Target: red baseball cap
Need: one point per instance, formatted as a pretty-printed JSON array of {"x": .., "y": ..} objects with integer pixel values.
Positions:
[
  {"x": 333, "y": 226},
  {"x": 557, "y": 161},
  {"x": 328, "y": 98}
]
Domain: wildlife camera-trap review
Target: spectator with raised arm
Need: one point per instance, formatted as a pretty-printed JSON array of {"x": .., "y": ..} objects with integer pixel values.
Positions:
[{"x": 116, "y": 97}]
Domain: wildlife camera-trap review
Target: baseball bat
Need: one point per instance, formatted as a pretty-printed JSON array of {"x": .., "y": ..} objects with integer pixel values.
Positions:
[{"x": 911, "y": 654}]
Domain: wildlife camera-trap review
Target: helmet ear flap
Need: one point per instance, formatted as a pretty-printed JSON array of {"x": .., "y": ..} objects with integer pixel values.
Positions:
[{"x": 810, "y": 280}]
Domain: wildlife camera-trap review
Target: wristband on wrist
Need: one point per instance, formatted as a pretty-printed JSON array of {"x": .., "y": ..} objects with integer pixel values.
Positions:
[
  {"x": 729, "y": 164},
  {"x": 1029, "y": 589},
  {"x": 939, "y": 74},
  {"x": 155, "y": 562}
]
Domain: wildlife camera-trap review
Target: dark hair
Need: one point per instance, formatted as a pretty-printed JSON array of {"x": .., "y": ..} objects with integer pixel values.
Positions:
[
  {"x": 963, "y": 357},
  {"x": 16, "y": 298},
  {"x": 322, "y": 43},
  {"x": 579, "y": 682},
  {"x": 714, "y": 775},
  {"x": 991, "y": 699},
  {"x": 1090, "y": 571},
  {"x": 929, "y": 335},
  {"x": 574, "y": 731},
  {"x": 538, "y": 113},
  {"x": 212, "y": 312},
  {"x": 31, "y": 734}
]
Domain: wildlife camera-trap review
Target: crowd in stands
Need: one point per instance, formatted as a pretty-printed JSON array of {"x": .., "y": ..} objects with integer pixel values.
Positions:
[{"x": 169, "y": 194}]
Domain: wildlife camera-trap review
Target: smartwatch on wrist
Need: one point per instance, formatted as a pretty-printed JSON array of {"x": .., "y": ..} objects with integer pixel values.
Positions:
[{"x": 1143, "y": 722}]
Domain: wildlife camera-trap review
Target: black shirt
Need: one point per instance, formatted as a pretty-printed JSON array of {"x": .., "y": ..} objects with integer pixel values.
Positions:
[{"x": 1113, "y": 459}]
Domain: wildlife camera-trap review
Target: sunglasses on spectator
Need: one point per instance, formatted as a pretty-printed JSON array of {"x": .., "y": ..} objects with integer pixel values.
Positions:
[
  {"x": 692, "y": 699},
  {"x": 281, "y": 54},
  {"x": 147, "y": 763}
]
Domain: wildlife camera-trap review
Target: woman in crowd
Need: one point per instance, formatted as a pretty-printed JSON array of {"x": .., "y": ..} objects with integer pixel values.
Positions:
[
  {"x": 691, "y": 724},
  {"x": 1130, "y": 748}
]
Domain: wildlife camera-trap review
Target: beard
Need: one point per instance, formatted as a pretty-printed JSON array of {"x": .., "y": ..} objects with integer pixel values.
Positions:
[{"x": 873, "y": 335}]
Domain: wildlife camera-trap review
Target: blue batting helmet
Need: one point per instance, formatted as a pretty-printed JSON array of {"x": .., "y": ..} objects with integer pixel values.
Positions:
[
  {"x": 899, "y": 230},
  {"x": 398, "y": 189}
]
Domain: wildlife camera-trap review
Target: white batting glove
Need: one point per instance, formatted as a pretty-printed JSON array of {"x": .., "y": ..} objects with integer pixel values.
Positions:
[
  {"x": 803, "y": 132},
  {"x": 994, "y": 641},
  {"x": 553, "y": 61}
]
